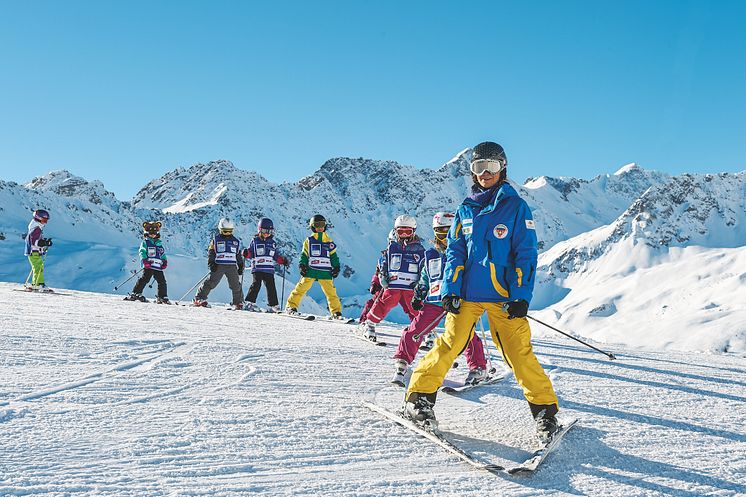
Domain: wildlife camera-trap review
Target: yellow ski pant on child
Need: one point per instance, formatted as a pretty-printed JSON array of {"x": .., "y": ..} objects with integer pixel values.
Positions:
[
  {"x": 511, "y": 336},
  {"x": 304, "y": 285}
]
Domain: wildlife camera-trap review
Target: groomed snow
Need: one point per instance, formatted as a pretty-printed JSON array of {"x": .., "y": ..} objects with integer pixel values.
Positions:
[{"x": 104, "y": 397}]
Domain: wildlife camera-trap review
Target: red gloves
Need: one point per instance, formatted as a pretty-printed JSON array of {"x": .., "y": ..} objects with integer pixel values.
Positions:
[
  {"x": 146, "y": 264},
  {"x": 164, "y": 264}
]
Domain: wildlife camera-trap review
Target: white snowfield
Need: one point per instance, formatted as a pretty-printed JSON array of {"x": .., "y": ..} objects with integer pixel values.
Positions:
[{"x": 101, "y": 397}]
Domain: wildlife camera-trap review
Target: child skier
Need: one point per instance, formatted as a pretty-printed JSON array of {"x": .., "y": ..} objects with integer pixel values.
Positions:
[
  {"x": 263, "y": 254},
  {"x": 154, "y": 262},
  {"x": 36, "y": 248},
  {"x": 318, "y": 262},
  {"x": 224, "y": 259},
  {"x": 399, "y": 273},
  {"x": 426, "y": 301}
]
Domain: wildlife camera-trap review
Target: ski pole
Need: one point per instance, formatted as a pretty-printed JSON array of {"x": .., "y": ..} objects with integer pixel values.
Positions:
[
  {"x": 607, "y": 354},
  {"x": 195, "y": 286},
  {"x": 125, "y": 281},
  {"x": 491, "y": 369},
  {"x": 282, "y": 299}
]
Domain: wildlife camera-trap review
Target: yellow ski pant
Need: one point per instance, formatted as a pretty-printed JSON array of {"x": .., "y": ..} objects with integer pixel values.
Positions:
[
  {"x": 512, "y": 338},
  {"x": 304, "y": 285},
  {"x": 37, "y": 267}
]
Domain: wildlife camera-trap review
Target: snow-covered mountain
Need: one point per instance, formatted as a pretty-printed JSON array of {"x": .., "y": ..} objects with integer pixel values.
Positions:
[{"x": 579, "y": 223}]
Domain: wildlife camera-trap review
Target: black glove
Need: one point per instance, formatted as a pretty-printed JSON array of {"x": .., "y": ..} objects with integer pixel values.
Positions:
[
  {"x": 303, "y": 269},
  {"x": 516, "y": 309},
  {"x": 213, "y": 266},
  {"x": 45, "y": 242},
  {"x": 452, "y": 304},
  {"x": 240, "y": 270},
  {"x": 417, "y": 304},
  {"x": 335, "y": 272}
]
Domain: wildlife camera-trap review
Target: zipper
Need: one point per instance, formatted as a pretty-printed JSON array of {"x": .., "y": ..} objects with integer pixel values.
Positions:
[{"x": 489, "y": 250}]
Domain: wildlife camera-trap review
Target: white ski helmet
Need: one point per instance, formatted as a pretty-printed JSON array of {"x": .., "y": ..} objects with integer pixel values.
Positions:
[
  {"x": 405, "y": 221},
  {"x": 443, "y": 219},
  {"x": 226, "y": 224}
]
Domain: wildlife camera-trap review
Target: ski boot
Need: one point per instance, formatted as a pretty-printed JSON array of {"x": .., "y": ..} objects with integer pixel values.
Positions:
[
  {"x": 369, "y": 330},
  {"x": 44, "y": 289},
  {"x": 162, "y": 300},
  {"x": 135, "y": 297},
  {"x": 546, "y": 421},
  {"x": 400, "y": 372},
  {"x": 419, "y": 408},
  {"x": 429, "y": 341},
  {"x": 292, "y": 311},
  {"x": 200, "y": 303},
  {"x": 476, "y": 375},
  {"x": 251, "y": 306},
  {"x": 274, "y": 309},
  {"x": 237, "y": 307},
  {"x": 337, "y": 316}
]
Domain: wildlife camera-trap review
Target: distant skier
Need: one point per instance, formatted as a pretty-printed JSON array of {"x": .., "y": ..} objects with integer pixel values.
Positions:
[
  {"x": 224, "y": 259},
  {"x": 154, "y": 262},
  {"x": 318, "y": 262},
  {"x": 426, "y": 301},
  {"x": 263, "y": 254},
  {"x": 375, "y": 288},
  {"x": 490, "y": 267},
  {"x": 399, "y": 272},
  {"x": 36, "y": 248}
]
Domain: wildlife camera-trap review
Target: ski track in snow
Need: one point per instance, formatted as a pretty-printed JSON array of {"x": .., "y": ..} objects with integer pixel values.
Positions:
[{"x": 104, "y": 397}]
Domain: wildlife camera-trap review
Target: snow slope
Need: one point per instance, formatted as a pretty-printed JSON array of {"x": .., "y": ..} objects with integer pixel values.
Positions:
[{"x": 104, "y": 397}]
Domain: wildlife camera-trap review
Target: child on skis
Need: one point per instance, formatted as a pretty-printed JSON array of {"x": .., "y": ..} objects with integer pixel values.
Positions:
[
  {"x": 36, "y": 248},
  {"x": 399, "y": 273},
  {"x": 224, "y": 259},
  {"x": 426, "y": 301},
  {"x": 318, "y": 262},
  {"x": 375, "y": 288},
  {"x": 263, "y": 254},
  {"x": 154, "y": 262}
]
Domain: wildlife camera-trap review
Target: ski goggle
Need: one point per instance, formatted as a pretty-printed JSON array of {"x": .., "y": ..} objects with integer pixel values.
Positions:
[
  {"x": 481, "y": 166},
  {"x": 441, "y": 232},
  {"x": 404, "y": 232},
  {"x": 319, "y": 225},
  {"x": 266, "y": 231},
  {"x": 226, "y": 231}
]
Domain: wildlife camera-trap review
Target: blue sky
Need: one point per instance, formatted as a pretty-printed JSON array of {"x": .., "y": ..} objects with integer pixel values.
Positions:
[{"x": 126, "y": 91}]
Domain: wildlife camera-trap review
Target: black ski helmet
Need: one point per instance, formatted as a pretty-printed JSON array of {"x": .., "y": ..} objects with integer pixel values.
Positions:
[
  {"x": 489, "y": 151},
  {"x": 265, "y": 223},
  {"x": 317, "y": 221}
]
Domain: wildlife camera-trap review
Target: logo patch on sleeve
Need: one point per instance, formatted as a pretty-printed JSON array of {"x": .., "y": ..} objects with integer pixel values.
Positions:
[
  {"x": 530, "y": 225},
  {"x": 500, "y": 231}
]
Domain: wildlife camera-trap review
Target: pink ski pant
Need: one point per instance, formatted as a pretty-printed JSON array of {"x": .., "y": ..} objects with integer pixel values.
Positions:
[
  {"x": 388, "y": 300},
  {"x": 425, "y": 322},
  {"x": 368, "y": 305}
]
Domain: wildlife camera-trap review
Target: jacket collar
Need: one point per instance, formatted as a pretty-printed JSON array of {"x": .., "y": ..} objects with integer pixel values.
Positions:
[{"x": 486, "y": 200}]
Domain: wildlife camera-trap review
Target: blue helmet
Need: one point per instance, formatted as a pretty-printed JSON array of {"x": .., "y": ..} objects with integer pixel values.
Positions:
[{"x": 265, "y": 225}]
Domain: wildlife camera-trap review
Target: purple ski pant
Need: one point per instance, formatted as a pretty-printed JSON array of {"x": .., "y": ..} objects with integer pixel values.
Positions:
[{"x": 422, "y": 324}]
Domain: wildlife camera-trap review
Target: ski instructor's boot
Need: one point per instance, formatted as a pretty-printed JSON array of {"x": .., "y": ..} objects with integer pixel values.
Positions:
[
  {"x": 546, "y": 421},
  {"x": 419, "y": 408}
]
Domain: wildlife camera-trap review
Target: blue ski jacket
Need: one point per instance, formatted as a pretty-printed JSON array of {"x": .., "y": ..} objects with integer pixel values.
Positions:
[{"x": 492, "y": 254}]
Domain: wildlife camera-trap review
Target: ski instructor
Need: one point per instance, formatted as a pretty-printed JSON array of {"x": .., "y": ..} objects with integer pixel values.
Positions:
[{"x": 490, "y": 267}]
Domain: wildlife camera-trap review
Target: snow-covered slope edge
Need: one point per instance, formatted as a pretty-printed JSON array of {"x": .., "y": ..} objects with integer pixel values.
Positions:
[{"x": 670, "y": 272}]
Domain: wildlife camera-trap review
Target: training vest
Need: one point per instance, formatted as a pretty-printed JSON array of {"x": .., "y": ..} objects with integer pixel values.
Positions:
[
  {"x": 434, "y": 264},
  {"x": 404, "y": 264},
  {"x": 226, "y": 249},
  {"x": 319, "y": 253},
  {"x": 262, "y": 254},
  {"x": 153, "y": 251}
]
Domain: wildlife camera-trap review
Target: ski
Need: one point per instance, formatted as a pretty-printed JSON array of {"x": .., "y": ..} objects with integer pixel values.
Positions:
[
  {"x": 47, "y": 292},
  {"x": 338, "y": 321},
  {"x": 490, "y": 380},
  {"x": 532, "y": 463},
  {"x": 435, "y": 437},
  {"x": 304, "y": 317},
  {"x": 364, "y": 339}
]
